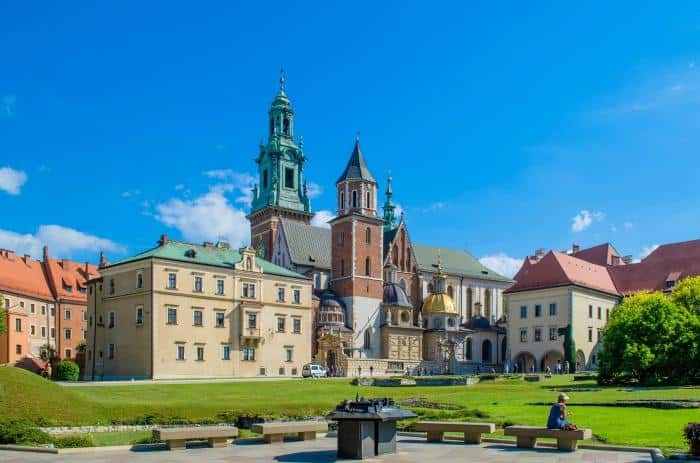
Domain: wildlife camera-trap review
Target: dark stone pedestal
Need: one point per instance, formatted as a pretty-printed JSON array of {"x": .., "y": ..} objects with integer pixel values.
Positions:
[
  {"x": 360, "y": 439},
  {"x": 386, "y": 437}
]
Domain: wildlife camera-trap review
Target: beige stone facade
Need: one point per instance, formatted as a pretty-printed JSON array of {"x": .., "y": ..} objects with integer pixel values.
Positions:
[{"x": 162, "y": 318}]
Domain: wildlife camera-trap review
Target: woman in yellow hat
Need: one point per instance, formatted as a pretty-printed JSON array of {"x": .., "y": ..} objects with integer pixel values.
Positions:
[{"x": 557, "y": 414}]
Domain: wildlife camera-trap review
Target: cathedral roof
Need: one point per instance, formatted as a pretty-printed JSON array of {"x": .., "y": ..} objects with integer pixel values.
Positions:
[
  {"x": 357, "y": 167},
  {"x": 395, "y": 295},
  {"x": 438, "y": 303},
  {"x": 308, "y": 245},
  {"x": 454, "y": 262},
  {"x": 478, "y": 323}
]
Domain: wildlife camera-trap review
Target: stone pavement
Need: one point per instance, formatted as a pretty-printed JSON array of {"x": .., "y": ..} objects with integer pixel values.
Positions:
[{"x": 410, "y": 450}]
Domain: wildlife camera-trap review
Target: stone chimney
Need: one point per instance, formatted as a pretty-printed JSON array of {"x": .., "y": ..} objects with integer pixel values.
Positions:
[
  {"x": 27, "y": 259},
  {"x": 575, "y": 248},
  {"x": 627, "y": 259},
  {"x": 539, "y": 253},
  {"x": 103, "y": 261},
  {"x": 163, "y": 240},
  {"x": 223, "y": 244}
]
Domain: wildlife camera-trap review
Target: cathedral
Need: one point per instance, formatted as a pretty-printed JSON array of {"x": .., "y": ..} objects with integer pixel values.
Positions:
[{"x": 383, "y": 304}]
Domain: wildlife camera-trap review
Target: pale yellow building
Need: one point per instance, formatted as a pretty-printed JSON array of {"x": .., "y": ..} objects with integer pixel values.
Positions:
[{"x": 184, "y": 310}]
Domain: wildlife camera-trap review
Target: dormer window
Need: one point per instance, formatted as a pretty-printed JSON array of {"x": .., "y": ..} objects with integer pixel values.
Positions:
[
  {"x": 191, "y": 253},
  {"x": 68, "y": 288},
  {"x": 670, "y": 283}
]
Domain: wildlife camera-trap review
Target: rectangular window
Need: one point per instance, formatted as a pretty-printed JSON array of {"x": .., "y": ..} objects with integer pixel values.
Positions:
[
  {"x": 296, "y": 322},
  {"x": 111, "y": 286},
  {"x": 67, "y": 353},
  {"x": 32, "y": 330},
  {"x": 200, "y": 353},
  {"x": 139, "y": 280},
  {"x": 53, "y": 333},
  {"x": 600, "y": 313},
  {"x": 280, "y": 324},
  {"x": 288, "y": 177},
  {"x": 590, "y": 334},
  {"x": 110, "y": 351},
  {"x": 552, "y": 310},
  {"x": 280, "y": 371},
  {"x": 590, "y": 311},
  {"x": 7, "y": 303},
  {"x": 280, "y": 294},
  {"x": 52, "y": 309},
  {"x": 172, "y": 280},
  {"x": 523, "y": 334},
  {"x": 18, "y": 324},
  {"x": 67, "y": 314},
  {"x": 598, "y": 338},
  {"x": 219, "y": 319},
  {"x": 43, "y": 331},
  {"x": 139, "y": 315},
  {"x": 172, "y": 316},
  {"x": 226, "y": 354},
  {"x": 18, "y": 349},
  {"x": 197, "y": 318},
  {"x": 21, "y": 304},
  {"x": 523, "y": 311},
  {"x": 32, "y": 308},
  {"x": 85, "y": 316},
  {"x": 538, "y": 310},
  {"x": 219, "y": 287},
  {"x": 180, "y": 352},
  {"x": 197, "y": 284},
  {"x": 538, "y": 334},
  {"x": 342, "y": 238},
  {"x": 252, "y": 320},
  {"x": 297, "y": 296},
  {"x": 288, "y": 354},
  {"x": 607, "y": 314},
  {"x": 249, "y": 290},
  {"x": 85, "y": 334},
  {"x": 552, "y": 333},
  {"x": 67, "y": 333},
  {"x": 110, "y": 320},
  {"x": 248, "y": 354},
  {"x": 43, "y": 310}
]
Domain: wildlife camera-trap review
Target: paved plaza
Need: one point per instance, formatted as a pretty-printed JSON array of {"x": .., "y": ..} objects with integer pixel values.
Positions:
[{"x": 410, "y": 449}]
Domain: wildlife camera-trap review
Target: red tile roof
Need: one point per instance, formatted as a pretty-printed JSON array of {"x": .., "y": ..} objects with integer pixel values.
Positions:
[
  {"x": 65, "y": 273},
  {"x": 527, "y": 265},
  {"x": 601, "y": 254},
  {"x": 23, "y": 275}
]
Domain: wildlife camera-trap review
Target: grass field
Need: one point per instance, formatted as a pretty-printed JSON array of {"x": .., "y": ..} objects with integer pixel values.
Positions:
[{"x": 24, "y": 395}]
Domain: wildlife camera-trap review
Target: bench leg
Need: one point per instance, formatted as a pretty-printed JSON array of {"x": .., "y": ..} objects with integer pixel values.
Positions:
[
  {"x": 567, "y": 445},
  {"x": 435, "y": 436},
  {"x": 176, "y": 444},
  {"x": 471, "y": 437},
  {"x": 307, "y": 435},
  {"x": 526, "y": 442},
  {"x": 217, "y": 442},
  {"x": 273, "y": 438}
]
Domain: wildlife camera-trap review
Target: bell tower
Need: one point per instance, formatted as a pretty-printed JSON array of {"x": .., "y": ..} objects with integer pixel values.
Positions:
[
  {"x": 357, "y": 241},
  {"x": 281, "y": 191}
]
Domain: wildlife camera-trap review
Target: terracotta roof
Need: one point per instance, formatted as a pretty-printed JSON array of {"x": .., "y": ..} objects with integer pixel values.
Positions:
[
  {"x": 672, "y": 261},
  {"x": 528, "y": 262},
  {"x": 65, "y": 274},
  {"x": 601, "y": 254},
  {"x": 23, "y": 275},
  {"x": 558, "y": 269}
]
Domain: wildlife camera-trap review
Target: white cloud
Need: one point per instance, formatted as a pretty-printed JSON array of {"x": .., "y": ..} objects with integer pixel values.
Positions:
[
  {"x": 628, "y": 225},
  {"x": 179, "y": 187},
  {"x": 8, "y": 105},
  {"x": 130, "y": 193},
  {"x": 241, "y": 181},
  {"x": 646, "y": 250},
  {"x": 321, "y": 219},
  {"x": 313, "y": 189},
  {"x": 208, "y": 217},
  {"x": 398, "y": 210},
  {"x": 11, "y": 180},
  {"x": 62, "y": 241},
  {"x": 502, "y": 263},
  {"x": 585, "y": 219}
]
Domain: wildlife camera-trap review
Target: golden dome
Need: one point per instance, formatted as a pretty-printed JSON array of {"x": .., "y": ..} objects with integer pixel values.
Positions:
[{"x": 438, "y": 303}]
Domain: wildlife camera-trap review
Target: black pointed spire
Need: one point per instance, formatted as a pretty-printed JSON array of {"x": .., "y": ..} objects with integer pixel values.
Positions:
[{"x": 357, "y": 167}]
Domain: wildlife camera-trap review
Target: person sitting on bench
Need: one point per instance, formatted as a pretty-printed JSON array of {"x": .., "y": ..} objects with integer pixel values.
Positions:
[{"x": 558, "y": 413}]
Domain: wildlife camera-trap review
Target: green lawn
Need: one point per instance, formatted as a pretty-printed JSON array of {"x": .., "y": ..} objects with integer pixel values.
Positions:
[{"x": 23, "y": 395}]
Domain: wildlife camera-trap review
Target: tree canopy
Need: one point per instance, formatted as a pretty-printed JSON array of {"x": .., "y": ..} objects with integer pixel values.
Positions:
[{"x": 653, "y": 339}]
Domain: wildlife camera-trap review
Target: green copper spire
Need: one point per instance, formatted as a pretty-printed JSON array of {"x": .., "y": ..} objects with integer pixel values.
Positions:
[
  {"x": 281, "y": 161},
  {"x": 389, "y": 207}
]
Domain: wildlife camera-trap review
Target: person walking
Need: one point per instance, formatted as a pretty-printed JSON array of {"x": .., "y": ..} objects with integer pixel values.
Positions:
[{"x": 566, "y": 367}]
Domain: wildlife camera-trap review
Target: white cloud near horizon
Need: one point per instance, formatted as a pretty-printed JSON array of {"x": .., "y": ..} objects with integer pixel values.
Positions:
[
  {"x": 11, "y": 180},
  {"x": 584, "y": 220},
  {"x": 313, "y": 190},
  {"x": 241, "y": 181},
  {"x": 502, "y": 263},
  {"x": 321, "y": 218},
  {"x": 62, "y": 242}
]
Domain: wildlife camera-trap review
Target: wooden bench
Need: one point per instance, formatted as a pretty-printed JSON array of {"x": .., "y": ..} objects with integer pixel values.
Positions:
[
  {"x": 472, "y": 431},
  {"x": 566, "y": 440},
  {"x": 176, "y": 438},
  {"x": 274, "y": 432}
]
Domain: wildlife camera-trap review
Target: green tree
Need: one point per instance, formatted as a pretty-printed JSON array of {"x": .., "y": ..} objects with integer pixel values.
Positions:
[
  {"x": 687, "y": 294},
  {"x": 3, "y": 315},
  {"x": 67, "y": 371},
  {"x": 651, "y": 340}
]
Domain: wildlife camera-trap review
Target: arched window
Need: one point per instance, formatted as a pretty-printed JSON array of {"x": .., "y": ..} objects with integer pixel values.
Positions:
[
  {"x": 368, "y": 235},
  {"x": 369, "y": 201},
  {"x": 342, "y": 267},
  {"x": 404, "y": 316},
  {"x": 354, "y": 198},
  {"x": 486, "y": 351},
  {"x": 469, "y": 348},
  {"x": 368, "y": 339},
  {"x": 285, "y": 126},
  {"x": 368, "y": 267},
  {"x": 450, "y": 291},
  {"x": 342, "y": 200}
]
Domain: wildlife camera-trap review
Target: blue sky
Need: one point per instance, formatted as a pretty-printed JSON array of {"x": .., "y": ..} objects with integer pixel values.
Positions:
[{"x": 507, "y": 126}]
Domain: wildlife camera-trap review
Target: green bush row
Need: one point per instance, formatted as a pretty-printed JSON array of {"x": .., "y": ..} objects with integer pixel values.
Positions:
[{"x": 26, "y": 433}]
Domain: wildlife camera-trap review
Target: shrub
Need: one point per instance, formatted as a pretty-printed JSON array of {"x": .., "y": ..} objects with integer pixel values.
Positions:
[
  {"x": 692, "y": 435},
  {"x": 22, "y": 432},
  {"x": 73, "y": 441},
  {"x": 67, "y": 371}
]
